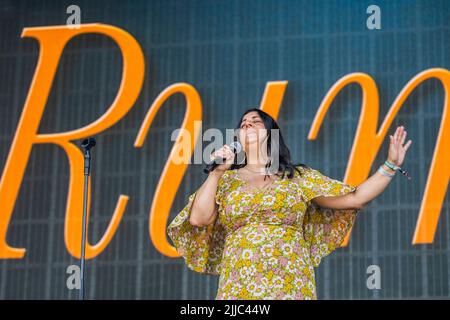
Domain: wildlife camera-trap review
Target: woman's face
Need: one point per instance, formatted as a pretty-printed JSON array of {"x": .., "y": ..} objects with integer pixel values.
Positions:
[{"x": 252, "y": 130}]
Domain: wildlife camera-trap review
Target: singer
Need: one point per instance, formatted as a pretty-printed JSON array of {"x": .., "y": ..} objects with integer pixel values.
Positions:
[{"x": 263, "y": 231}]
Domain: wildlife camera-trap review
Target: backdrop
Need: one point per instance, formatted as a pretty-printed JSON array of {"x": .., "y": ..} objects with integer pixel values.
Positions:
[{"x": 228, "y": 50}]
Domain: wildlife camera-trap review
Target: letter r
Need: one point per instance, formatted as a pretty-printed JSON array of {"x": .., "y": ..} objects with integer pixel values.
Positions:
[{"x": 52, "y": 41}]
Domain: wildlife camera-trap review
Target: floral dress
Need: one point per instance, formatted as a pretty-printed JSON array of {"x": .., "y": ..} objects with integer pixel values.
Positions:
[{"x": 265, "y": 242}]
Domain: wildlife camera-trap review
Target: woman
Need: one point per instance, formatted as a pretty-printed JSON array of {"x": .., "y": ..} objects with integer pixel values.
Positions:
[{"x": 264, "y": 232}]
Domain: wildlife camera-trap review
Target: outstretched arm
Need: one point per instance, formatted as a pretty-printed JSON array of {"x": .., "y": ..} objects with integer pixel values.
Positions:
[{"x": 374, "y": 185}]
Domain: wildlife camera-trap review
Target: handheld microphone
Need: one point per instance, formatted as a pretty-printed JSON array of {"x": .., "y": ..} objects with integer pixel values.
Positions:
[{"x": 235, "y": 146}]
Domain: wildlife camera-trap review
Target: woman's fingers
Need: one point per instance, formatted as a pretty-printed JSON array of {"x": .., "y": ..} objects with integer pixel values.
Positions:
[
  {"x": 224, "y": 153},
  {"x": 230, "y": 155},
  {"x": 218, "y": 153},
  {"x": 214, "y": 155},
  {"x": 407, "y": 145},
  {"x": 399, "y": 137},
  {"x": 402, "y": 140},
  {"x": 401, "y": 131},
  {"x": 229, "y": 151},
  {"x": 226, "y": 149},
  {"x": 395, "y": 138}
]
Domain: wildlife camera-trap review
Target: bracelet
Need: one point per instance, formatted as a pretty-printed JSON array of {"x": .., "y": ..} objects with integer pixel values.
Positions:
[
  {"x": 391, "y": 166},
  {"x": 385, "y": 173},
  {"x": 396, "y": 168}
]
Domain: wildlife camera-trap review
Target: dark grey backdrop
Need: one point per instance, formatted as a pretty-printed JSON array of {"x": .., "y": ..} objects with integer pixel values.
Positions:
[{"x": 228, "y": 50}]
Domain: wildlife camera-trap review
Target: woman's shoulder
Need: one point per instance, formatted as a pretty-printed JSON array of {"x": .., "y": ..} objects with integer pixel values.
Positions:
[
  {"x": 310, "y": 176},
  {"x": 225, "y": 182},
  {"x": 302, "y": 171}
]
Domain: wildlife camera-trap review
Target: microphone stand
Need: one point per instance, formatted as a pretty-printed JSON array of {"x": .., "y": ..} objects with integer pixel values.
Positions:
[{"x": 87, "y": 144}]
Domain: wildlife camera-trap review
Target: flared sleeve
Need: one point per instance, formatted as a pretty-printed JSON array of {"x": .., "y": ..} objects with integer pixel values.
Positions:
[
  {"x": 324, "y": 229},
  {"x": 201, "y": 247}
]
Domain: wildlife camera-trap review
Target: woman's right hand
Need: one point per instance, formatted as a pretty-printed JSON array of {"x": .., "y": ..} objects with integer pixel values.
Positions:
[{"x": 226, "y": 153}]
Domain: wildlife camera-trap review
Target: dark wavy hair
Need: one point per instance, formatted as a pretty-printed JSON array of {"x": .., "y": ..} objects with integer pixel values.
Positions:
[{"x": 286, "y": 167}]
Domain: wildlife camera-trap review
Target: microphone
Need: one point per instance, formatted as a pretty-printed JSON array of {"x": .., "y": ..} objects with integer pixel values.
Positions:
[
  {"x": 88, "y": 143},
  {"x": 235, "y": 146}
]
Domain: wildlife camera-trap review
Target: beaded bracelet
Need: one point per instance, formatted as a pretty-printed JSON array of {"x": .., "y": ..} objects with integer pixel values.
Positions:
[
  {"x": 391, "y": 166},
  {"x": 396, "y": 168},
  {"x": 385, "y": 173}
]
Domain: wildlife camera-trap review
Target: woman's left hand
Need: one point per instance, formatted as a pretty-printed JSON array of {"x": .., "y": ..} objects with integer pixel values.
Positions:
[{"x": 397, "y": 149}]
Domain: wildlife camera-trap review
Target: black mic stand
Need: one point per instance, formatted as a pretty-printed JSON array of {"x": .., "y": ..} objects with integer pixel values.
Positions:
[{"x": 87, "y": 144}]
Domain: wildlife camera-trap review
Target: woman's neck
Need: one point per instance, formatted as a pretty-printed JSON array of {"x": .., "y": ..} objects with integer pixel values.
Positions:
[{"x": 256, "y": 159}]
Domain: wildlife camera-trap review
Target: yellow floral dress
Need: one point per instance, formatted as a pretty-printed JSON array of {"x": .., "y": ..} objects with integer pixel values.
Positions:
[{"x": 265, "y": 242}]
